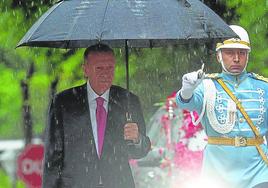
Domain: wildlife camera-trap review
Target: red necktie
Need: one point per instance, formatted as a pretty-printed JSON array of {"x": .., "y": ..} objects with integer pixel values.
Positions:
[{"x": 101, "y": 117}]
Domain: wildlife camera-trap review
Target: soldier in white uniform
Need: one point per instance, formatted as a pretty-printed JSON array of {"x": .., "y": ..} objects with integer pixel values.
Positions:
[{"x": 233, "y": 110}]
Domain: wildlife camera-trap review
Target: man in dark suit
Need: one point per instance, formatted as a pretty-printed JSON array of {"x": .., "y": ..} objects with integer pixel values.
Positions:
[{"x": 87, "y": 143}]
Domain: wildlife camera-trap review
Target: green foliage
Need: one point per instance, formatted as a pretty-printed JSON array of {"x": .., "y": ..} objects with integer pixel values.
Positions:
[
  {"x": 158, "y": 72},
  {"x": 254, "y": 18},
  {"x": 154, "y": 73},
  {"x": 5, "y": 181},
  {"x": 10, "y": 103}
]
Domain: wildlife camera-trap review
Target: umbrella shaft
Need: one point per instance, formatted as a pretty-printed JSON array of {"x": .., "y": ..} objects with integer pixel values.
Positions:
[{"x": 127, "y": 65}]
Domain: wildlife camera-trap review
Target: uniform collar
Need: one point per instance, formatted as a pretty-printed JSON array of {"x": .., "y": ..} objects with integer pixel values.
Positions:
[{"x": 234, "y": 78}]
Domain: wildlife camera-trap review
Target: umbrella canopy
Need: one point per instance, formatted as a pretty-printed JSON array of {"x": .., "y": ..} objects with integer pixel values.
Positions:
[{"x": 143, "y": 23}]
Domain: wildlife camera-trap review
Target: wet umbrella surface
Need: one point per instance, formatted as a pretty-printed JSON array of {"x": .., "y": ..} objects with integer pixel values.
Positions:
[
  {"x": 144, "y": 23},
  {"x": 126, "y": 23}
]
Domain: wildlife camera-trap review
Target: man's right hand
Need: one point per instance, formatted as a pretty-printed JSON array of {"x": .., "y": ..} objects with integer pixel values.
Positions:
[{"x": 189, "y": 82}]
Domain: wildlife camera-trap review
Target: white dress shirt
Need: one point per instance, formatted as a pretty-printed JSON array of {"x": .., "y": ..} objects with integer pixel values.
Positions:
[{"x": 91, "y": 95}]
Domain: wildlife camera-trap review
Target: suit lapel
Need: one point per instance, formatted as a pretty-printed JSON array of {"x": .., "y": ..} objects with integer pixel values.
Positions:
[{"x": 113, "y": 131}]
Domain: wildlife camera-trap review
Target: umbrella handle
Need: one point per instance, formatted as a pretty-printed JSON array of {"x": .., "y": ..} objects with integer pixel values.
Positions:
[{"x": 128, "y": 117}]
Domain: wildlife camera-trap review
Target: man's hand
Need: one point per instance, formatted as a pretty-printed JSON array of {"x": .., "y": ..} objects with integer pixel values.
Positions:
[
  {"x": 189, "y": 82},
  {"x": 131, "y": 132}
]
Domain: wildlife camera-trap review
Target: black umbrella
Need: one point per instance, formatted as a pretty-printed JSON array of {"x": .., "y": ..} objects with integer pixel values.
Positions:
[{"x": 126, "y": 23}]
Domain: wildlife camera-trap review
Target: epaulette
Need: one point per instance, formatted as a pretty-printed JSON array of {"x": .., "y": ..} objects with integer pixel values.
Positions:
[
  {"x": 212, "y": 75},
  {"x": 259, "y": 77}
]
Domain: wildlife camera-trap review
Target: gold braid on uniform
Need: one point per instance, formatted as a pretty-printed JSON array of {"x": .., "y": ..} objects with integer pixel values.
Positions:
[
  {"x": 259, "y": 77},
  {"x": 212, "y": 75}
]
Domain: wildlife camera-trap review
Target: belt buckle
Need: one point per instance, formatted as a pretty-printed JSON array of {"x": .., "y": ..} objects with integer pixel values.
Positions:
[{"x": 240, "y": 141}]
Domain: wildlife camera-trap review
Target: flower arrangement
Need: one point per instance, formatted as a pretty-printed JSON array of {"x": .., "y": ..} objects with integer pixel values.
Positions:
[
  {"x": 181, "y": 148},
  {"x": 187, "y": 155}
]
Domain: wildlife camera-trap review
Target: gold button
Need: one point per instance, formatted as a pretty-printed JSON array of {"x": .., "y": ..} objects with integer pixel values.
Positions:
[{"x": 241, "y": 120}]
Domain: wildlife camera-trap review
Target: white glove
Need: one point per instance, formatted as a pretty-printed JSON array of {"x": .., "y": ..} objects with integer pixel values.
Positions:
[{"x": 189, "y": 82}]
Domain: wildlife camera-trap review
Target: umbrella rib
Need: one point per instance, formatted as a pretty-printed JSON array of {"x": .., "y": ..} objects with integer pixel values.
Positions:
[
  {"x": 79, "y": 23},
  {"x": 102, "y": 22},
  {"x": 56, "y": 6}
]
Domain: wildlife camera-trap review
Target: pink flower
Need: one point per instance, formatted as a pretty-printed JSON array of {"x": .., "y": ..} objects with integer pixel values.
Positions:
[
  {"x": 186, "y": 159},
  {"x": 188, "y": 162},
  {"x": 133, "y": 162}
]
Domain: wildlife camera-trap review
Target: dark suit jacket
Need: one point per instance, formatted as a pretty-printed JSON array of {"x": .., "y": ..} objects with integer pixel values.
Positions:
[{"x": 71, "y": 160}]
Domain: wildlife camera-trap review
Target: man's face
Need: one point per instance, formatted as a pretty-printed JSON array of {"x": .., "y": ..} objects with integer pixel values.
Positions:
[
  {"x": 99, "y": 68},
  {"x": 234, "y": 60}
]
